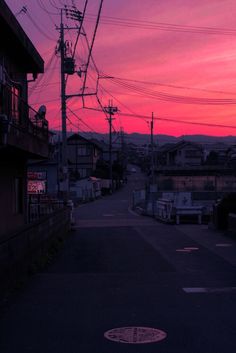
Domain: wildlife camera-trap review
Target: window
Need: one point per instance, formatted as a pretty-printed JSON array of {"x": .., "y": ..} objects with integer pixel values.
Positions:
[
  {"x": 82, "y": 172},
  {"x": 193, "y": 154},
  {"x": 82, "y": 151},
  {"x": 15, "y": 104}
]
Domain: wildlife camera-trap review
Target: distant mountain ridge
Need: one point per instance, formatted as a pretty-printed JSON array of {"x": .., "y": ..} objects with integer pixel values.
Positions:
[{"x": 141, "y": 139}]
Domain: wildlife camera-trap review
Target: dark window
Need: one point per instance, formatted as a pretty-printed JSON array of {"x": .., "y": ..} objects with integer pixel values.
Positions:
[{"x": 15, "y": 104}]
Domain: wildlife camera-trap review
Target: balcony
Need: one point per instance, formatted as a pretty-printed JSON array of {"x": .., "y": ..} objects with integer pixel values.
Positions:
[{"x": 22, "y": 129}]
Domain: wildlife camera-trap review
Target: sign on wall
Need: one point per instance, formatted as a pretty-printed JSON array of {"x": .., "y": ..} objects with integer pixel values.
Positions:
[{"x": 36, "y": 186}]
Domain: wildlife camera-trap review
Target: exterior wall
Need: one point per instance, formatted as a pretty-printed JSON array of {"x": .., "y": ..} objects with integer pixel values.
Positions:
[
  {"x": 186, "y": 155},
  {"x": 192, "y": 183},
  {"x": 232, "y": 224},
  {"x": 20, "y": 251},
  {"x": 12, "y": 201}
]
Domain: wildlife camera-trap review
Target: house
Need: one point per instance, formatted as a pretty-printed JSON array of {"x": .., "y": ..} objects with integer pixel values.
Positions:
[
  {"x": 183, "y": 153},
  {"x": 104, "y": 147},
  {"x": 83, "y": 155},
  {"x": 231, "y": 156},
  {"x": 23, "y": 131},
  {"x": 216, "y": 154}
]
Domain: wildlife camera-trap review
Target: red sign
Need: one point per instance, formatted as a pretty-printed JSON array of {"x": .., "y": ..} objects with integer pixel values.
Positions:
[
  {"x": 36, "y": 186},
  {"x": 37, "y": 175}
]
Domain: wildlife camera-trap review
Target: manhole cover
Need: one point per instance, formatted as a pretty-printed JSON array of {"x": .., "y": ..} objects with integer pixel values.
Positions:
[{"x": 135, "y": 335}]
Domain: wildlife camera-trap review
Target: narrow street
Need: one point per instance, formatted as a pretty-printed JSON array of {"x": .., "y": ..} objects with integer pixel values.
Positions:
[{"x": 119, "y": 269}]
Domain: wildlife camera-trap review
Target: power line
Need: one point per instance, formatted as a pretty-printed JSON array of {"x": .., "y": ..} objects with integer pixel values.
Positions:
[
  {"x": 174, "y": 98},
  {"x": 42, "y": 6},
  {"x": 50, "y": 14},
  {"x": 42, "y": 76},
  {"x": 132, "y": 23},
  {"x": 91, "y": 47},
  {"x": 174, "y": 120},
  {"x": 39, "y": 28},
  {"x": 80, "y": 119},
  {"x": 170, "y": 85}
]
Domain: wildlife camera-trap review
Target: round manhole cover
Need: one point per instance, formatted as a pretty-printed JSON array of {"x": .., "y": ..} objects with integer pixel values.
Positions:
[{"x": 135, "y": 335}]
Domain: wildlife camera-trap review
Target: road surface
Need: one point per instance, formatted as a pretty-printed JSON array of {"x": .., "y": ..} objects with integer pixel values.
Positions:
[{"x": 165, "y": 288}]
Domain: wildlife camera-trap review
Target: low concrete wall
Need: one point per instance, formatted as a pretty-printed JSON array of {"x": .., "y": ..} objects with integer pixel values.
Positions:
[
  {"x": 232, "y": 224},
  {"x": 19, "y": 252}
]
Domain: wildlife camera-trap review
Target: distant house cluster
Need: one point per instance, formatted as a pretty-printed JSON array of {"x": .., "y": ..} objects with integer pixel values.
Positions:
[{"x": 88, "y": 168}]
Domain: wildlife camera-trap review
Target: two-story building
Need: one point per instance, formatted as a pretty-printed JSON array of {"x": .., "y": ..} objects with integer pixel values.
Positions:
[
  {"x": 181, "y": 168},
  {"x": 23, "y": 131},
  {"x": 83, "y": 155},
  {"x": 183, "y": 153}
]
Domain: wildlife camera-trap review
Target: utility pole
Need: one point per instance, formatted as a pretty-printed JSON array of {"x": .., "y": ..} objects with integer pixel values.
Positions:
[
  {"x": 67, "y": 68},
  {"x": 152, "y": 150},
  {"x": 65, "y": 185},
  {"x": 111, "y": 111},
  {"x": 152, "y": 168}
]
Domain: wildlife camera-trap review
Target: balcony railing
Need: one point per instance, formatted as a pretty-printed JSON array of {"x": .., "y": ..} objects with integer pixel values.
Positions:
[{"x": 18, "y": 114}]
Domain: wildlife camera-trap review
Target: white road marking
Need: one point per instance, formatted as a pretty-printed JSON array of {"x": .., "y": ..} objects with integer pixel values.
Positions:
[
  {"x": 191, "y": 248},
  {"x": 209, "y": 290},
  {"x": 224, "y": 245},
  {"x": 108, "y": 215},
  {"x": 183, "y": 250}
]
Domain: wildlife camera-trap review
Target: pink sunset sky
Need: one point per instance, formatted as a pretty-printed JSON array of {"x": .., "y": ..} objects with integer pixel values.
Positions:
[{"x": 154, "y": 64}]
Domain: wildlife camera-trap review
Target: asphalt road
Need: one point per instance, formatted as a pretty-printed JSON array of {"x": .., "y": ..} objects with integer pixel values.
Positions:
[{"x": 121, "y": 270}]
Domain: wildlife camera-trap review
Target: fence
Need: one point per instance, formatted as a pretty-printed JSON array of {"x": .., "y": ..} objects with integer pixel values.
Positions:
[
  {"x": 19, "y": 251},
  {"x": 148, "y": 201},
  {"x": 38, "y": 208}
]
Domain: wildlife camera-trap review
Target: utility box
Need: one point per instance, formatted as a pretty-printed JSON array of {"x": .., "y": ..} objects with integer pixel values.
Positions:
[{"x": 69, "y": 66}]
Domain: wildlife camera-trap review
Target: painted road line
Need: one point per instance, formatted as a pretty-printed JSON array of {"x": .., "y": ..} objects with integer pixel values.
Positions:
[
  {"x": 108, "y": 215},
  {"x": 191, "y": 248},
  {"x": 224, "y": 245},
  {"x": 183, "y": 250},
  {"x": 192, "y": 290}
]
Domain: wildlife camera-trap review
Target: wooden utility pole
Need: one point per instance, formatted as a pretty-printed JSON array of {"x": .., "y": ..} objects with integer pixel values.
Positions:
[
  {"x": 152, "y": 150},
  {"x": 111, "y": 111},
  {"x": 67, "y": 68},
  {"x": 65, "y": 185}
]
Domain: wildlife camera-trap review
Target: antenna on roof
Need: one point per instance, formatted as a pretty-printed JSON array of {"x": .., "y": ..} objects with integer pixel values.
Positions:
[{"x": 22, "y": 10}]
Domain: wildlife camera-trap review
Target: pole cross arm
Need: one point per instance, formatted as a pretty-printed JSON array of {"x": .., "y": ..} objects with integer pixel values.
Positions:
[{"x": 80, "y": 95}]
